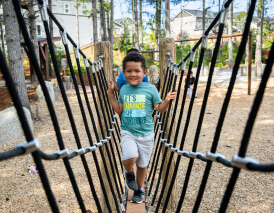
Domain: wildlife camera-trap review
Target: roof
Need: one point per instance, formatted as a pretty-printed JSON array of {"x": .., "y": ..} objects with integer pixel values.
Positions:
[
  {"x": 198, "y": 13},
  {"x": 44, "y": 40},
  {"x": 117, "y": 23},
  {"x": 121, "y": 20}
]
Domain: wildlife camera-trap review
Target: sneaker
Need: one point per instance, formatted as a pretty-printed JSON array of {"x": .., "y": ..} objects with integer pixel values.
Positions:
[
  {"x": 130, "y": 181},
  {"x": 137, "y": 196}
]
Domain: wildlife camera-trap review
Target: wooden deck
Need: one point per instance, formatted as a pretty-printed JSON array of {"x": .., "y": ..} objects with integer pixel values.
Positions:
[{"x": 135, "y": 207}]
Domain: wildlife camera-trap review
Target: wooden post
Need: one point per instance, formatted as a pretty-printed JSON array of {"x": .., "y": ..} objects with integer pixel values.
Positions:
[
  {"x": 249, "y": 62},
  {"x": 168, "y": 45},
  {"x": 104, "y": 49},
  {"x": 46, "y": 61}
]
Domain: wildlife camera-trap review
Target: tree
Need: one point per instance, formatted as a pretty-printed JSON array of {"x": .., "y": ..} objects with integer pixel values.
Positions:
[
  {"x": 140, "y": 25},
  {"x": 111, "y": 22},
  {"x": 94, "y": 22},
  {"x": 29, "y": 6},
  {"x": 135, "y": 21},
  {"x": 2, "y": 40},
  {"x": 167, "y": 22},
  {"x": 14, "y": 51},
  {"x": 103, "y": 21},
  {"x": 230, "y": 45},
  {"x": 247, "y": 46},
  {"x": 158, "y": 23},
  {"x": 77, "y": 4},
  {"x": 258, "y": 51}
]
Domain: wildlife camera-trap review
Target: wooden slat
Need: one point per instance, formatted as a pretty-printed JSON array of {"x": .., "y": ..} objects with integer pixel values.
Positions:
[{"x": 135, "y": 207}]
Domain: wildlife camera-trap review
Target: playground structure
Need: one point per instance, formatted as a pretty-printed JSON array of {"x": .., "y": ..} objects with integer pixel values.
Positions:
[{"x": 107, "y": 132}]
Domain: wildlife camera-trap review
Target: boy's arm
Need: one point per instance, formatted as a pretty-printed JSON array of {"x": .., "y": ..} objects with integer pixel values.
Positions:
[
  {"x": 162, "y": 107},
  {"x": 118, "y": 107}
]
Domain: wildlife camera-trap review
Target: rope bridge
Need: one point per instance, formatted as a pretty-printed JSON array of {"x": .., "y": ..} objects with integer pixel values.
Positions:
[{"x": 109, "y": 134}]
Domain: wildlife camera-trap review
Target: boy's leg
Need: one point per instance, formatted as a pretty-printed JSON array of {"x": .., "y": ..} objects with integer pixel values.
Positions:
[
  {"x": 129, "y": 175},
  {"x": 129, "y": 163},
  {"x": 141, "y": 176}
]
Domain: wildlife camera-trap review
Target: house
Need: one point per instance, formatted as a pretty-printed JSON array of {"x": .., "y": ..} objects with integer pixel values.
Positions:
[
  {"x": 65, "y": 13},
  {"x": 190, "y": 22},
  {"x": 122, "y": 24}
]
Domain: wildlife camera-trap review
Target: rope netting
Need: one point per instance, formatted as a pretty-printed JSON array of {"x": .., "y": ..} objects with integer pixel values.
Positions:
[{"x": 108, "y": 137}]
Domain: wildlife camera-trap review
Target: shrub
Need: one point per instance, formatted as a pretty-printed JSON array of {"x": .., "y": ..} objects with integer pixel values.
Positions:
[{"x": 26, "y": 62}]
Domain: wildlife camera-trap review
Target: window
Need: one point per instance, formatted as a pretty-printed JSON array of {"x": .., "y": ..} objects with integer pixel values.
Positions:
[
  {"x": 39, "y": 30},
  {"x": 67, "y": 8}
]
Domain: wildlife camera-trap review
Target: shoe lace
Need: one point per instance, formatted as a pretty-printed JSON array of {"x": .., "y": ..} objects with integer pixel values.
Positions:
[{"x": 138, "y": 193}]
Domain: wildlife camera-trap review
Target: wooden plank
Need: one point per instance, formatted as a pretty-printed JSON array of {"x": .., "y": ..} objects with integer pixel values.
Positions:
[{"x": 135, "y": 207}]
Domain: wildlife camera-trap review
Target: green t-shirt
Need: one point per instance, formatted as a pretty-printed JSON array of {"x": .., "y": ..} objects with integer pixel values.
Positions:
[{"x": 138, "y": 103}]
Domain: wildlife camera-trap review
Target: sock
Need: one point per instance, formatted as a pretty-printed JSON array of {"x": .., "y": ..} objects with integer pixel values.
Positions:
[{"x": 140, "y": 189}]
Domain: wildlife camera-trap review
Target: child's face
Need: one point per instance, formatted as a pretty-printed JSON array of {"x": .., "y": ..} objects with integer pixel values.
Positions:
[{"x": 134, "y": 73}]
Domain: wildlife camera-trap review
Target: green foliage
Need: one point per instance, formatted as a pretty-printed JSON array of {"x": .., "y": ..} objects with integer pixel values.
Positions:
[
  {"x": 222, "y": 59},
  {"x": 60, "y": 53},
  {"x": 82, "y": 65},
  {"x": 240, "y": 20},
  {"x": 26, "y": 62}
]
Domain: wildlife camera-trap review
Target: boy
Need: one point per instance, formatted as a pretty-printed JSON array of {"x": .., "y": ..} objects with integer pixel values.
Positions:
[
  {"x": 121, "y": 81},
  {"x": 135, "y": 104}
]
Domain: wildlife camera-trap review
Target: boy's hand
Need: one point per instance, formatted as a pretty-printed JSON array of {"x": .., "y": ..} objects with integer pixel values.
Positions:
[
  {"x": 171, "y": 95},
  {"x": 111, "y": 86}
]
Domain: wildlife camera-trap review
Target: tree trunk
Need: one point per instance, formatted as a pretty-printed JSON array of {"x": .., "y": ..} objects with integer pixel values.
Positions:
[
  {"x": 230, "y": 45},
  {"x": 33, "y": 33},
  {"x": 258, "y": 52},
  {"x": 136, "y": 25},
  {"x": 111, "y": 24},
  {"x": 203, "y": 16},
  {"x": 94, "y": 22},
  {"x": 50, "y": 20},
  {"x": 103, "y": 21},
  {"x": 14, "y": 51},
  {"x": 2, "y": 40},
  {"x": 247, "y": 49},
  {"x": 77, "y": 23},
  {"x": 167, "y": 23},
  {"x": 108, "y": 26},
  {"x": 158, "y": 27},
  {"x": 262, "y": 27},
  {"x": 140, "y": 25},
  {"x": 133, "y": 25}
]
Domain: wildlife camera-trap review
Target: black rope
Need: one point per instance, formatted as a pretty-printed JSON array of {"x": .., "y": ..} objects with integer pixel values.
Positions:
[
  {"x": 189, "y": 114},
  {"x": 23, "y": 120},
  {"x": 107, "y": 148},
  {"x": 250, "y": 123},
  {"x": 76, "y": 86},
  {"x": 226, "y": 102},
  {"x": 163, "y": 135},
  {"x": 75, "y": 187},
  {"x": 104, "y": 94},
  {"x": 105, "y": 83},
  {"x": 168, "y": 73},
  {"x": 111, "y": 115},
  {"x": 158, "y": 141},
  {"x": 166, "y": 88}
]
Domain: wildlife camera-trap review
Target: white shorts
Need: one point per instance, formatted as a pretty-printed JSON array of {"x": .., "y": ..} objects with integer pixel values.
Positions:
[{"x": 139, "y": 147}]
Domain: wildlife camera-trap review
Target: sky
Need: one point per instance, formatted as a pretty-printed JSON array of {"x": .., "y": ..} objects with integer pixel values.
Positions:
[{"x": 121, "y": 7}]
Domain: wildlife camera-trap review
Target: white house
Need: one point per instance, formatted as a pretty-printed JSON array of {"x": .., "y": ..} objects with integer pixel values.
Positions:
[
  {"x": 190, "y": 22},
  {"x": 65, "y": 13}
]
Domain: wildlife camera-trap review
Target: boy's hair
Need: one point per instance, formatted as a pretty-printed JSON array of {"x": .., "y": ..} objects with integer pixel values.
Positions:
[
  {"x": 132, "y": 50},
  {"x": 136, "y": 57}
]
